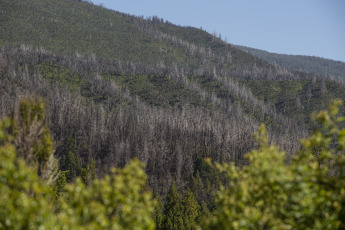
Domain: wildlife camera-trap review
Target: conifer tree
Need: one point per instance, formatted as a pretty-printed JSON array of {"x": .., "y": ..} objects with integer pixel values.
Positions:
[
  {"x": 70, "y": 162},
  {"x": 197, "y": 184},
  {"x": 89, "y": 172},
  {"x": 60, "y": 183},
  {"x": 190, "y": 209},
  {"x": 158, "y": 213},
  {"x": 204, "y": 211},
  {"x": 172, "y": 210}
]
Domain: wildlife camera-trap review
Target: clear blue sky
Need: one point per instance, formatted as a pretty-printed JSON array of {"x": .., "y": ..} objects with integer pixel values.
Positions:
[{"x": 307, "y": 27}]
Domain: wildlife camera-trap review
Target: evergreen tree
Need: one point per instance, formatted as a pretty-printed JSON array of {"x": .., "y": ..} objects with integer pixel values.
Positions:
[
  {"x": 190, "y": 209},
  {"x": 158, "y": 213},
  {"x": 172, "y": 210},
  {"x": 197, "y": 184},
  {"x": 71, "y": 164},
  {"x": 88, "y": 173},
  {"x": 204, "y": 211},
  {"x": 60, "y": 183},
  {"x": 70, "y": 161}
]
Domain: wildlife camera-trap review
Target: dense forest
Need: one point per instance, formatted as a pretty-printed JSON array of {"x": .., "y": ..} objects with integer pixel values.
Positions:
[{"x": 100, "y": 110}]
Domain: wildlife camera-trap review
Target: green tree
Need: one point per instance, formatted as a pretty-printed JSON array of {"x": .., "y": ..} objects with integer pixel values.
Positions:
[
  {"x": 190, "y": 210},
  {"x": 158, "y": 216},
  {"x": 172, "y": 210},
  {"x": 89, "y": 172},
  {"x": 60, "y": 184},
  {"x": 117, "y": 201},
  {"x": 70, "y": 161},
  {"x": 204, "y": 212}
]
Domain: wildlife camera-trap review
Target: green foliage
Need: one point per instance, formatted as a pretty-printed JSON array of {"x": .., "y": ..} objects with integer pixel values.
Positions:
[
  {"x": 25, "y": 178},
  {"x": 60, "y": 183},
  {"x": 190, "y": 210},
  {"x": 25, "y": 200},
  {"x": 117, "y": 201},
  {"x": 89, "y": 172},
  {"x": 158, "y": 90},
  {"x": 71, "y": 164},
  {"x": 204, "y": 212},
  {"x": 205, "y": 182},
  {"x": 158, "y": 213},
  {"x": 173, "y": 218},
  {"x": 59, "y": 75},
  {"x": 178, "y": 214},
  {"x": 283, "y": 95},
  {"x": 307, "y": 193}
]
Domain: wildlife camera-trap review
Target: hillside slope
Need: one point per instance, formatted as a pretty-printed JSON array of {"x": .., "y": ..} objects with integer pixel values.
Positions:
[
  {"x": 308, "y": 64},
  {"x": 119, "y": 87},
  {"x": 66, "y": 27}
]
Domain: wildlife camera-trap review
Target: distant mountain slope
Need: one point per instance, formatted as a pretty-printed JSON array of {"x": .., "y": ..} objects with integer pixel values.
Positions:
[
  {"x": 165, "y": 65},
  {"x": 66, "y": 27},
  {"x": 308, "y": 64}
]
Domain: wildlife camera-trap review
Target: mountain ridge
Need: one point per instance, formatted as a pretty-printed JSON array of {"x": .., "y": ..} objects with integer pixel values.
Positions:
[{"x": 310, "y": 64}]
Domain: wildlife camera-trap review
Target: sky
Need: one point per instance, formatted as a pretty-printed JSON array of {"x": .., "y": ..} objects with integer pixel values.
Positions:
[{"x": 303, "y": 27}]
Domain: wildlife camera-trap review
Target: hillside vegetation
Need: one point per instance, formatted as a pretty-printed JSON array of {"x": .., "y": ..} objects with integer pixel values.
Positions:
[
  {"x": 118, "y": 87},
  {"x": 67, "y": 27},
  {"x": 317, "y": 65}
]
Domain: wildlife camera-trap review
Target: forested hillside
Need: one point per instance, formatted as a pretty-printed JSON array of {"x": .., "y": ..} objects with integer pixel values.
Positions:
[
  {"x": 118, "y": 87},
  {"x": 69, "y": 27},
  {"x": 317, "y": 65}
]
